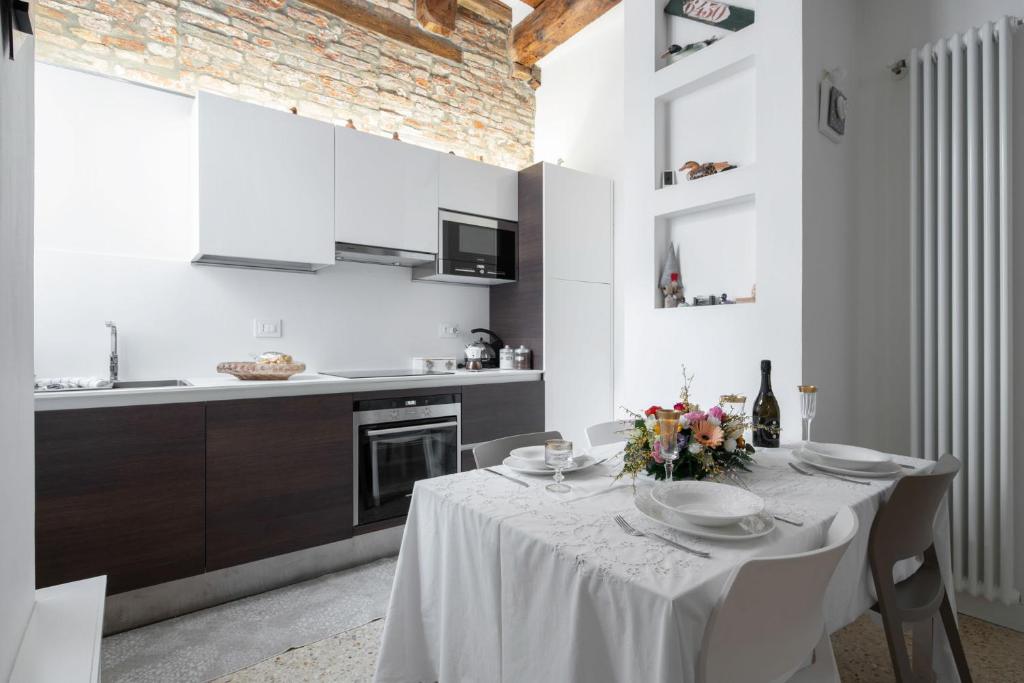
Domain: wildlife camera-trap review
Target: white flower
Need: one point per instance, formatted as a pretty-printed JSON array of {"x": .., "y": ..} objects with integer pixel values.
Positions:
[
  {"x": 684, "y": 423},
  {"x": 729, "y": 445},
  {"x": 713, "y": 420},
  {"x": 651, "y": 420},
  {"x": 694, "y": 447}
]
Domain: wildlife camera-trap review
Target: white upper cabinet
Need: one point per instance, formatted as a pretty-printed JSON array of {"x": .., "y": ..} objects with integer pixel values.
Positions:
[
  {"x": 468, "y": 186},
  {"x": 385, "y": 192},
  {"x": 265, "y": 186},
  {"x": 577, "y": 225}
]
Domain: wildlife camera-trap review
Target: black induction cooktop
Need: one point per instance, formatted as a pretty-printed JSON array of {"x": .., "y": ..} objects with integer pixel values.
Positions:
[{"x": 366, "y": 374}]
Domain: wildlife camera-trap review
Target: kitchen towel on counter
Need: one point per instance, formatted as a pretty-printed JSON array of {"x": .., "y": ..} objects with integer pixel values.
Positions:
[{"x": 53, "y": 383}]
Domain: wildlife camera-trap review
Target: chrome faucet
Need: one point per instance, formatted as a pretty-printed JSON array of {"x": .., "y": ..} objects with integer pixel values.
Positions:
[{"x": 113, "y": 350}]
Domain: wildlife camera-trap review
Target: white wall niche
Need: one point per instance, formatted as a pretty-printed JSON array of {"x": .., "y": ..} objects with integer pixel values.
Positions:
[
  {"x": 708, "y": 120},
  {"x": 717, "y": 249},
  {"x": 670, "y": 29}
]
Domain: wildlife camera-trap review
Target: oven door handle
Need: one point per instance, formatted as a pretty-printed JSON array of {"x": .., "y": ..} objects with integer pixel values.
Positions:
[{"x": 414, "y": 428}]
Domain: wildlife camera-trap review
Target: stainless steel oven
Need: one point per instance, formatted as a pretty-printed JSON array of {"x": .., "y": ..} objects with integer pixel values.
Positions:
[
  {"x": 398, "y": 441},
  {"x": 473, "y": 250}
]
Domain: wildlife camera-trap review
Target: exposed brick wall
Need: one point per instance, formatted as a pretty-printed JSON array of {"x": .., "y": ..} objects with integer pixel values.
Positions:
[{"x": 283, "y": 53}]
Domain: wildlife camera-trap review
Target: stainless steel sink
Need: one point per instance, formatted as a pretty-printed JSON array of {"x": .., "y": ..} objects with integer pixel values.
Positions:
[{"x": 150, "y": 383}]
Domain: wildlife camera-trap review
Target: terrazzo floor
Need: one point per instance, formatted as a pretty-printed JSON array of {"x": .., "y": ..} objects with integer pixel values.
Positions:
[{"x": 167, "y": 651}]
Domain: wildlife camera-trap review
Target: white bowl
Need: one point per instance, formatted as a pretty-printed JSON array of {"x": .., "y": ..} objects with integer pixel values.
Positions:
[
  {"x": 848, "y": 457},
  {"x": 707, "y": 504}
]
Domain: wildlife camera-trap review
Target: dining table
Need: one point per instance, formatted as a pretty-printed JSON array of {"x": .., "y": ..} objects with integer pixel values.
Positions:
[{"x": 497, "y": 581}]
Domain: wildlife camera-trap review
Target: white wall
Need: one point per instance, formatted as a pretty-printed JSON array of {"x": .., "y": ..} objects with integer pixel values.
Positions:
[
  {"x": 17, "y": 476},
  {"x": 579, "y": 119},
  {"x": 114, "y": 238},
  {"x": 724, "y": 344}
]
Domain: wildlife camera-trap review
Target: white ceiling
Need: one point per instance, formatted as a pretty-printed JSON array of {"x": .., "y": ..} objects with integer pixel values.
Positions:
[{"x": 519, "y": 10}]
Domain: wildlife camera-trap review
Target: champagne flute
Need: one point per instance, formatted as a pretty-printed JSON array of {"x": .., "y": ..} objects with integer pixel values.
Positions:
[
  {"x": 558, "y": 454},
  {"x": 808, "y": 407},
  {"x": 668, "y": 438}
]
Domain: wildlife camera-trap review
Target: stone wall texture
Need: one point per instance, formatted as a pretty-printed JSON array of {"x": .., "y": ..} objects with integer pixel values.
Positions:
[{"x": 283, "y": 53}]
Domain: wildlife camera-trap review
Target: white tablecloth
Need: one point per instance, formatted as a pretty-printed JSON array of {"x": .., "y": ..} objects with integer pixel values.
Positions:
[{"x": 497, "y": 582}]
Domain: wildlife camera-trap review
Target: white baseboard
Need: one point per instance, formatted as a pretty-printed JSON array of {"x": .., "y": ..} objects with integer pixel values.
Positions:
[{"x": 1009, "y": 616}]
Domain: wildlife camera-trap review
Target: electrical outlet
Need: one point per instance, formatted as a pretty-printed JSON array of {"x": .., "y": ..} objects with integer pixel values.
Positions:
[
  {"x": 266, "y": 328},
  {"x": 448, "y": 331}
]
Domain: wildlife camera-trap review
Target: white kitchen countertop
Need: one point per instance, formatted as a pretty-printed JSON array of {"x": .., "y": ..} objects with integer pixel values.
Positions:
[{"x": 226, "y": 387}]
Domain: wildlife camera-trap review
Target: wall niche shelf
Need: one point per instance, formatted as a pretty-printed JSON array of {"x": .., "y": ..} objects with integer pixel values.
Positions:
[
  {"x": 742, "y": 305},
  {"x": 721, "y": 189},
  {"x": 729, "y": 55},
  {"x": 716, "y": 247}
]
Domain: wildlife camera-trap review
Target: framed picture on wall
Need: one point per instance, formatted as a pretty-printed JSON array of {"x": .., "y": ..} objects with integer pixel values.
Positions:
[{"x": 831, "y": 110}]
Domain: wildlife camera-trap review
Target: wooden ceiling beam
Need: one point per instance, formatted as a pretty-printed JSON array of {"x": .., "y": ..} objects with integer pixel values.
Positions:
[
  {"x": 492, "y": 10},
  {"x": 533, "y": 3},
  {"x": 389, "y": 24},
  {"x": 437, "y": 16},
  {"x": 551, "y": 24}
]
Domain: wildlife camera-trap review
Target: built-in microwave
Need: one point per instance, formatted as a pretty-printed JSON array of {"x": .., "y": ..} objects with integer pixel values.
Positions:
[{"x": 473, "y": 250}]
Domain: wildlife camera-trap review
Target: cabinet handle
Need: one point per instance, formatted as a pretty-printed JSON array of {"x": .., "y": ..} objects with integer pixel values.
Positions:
[{"x": 414, "y": 428}]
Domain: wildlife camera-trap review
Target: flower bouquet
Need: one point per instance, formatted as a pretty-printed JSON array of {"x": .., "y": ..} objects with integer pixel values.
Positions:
[{"x": 709, "y": 442}]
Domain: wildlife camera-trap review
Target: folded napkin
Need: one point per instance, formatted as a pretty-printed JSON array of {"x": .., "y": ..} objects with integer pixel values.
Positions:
[{"x": 53, "y": 383}]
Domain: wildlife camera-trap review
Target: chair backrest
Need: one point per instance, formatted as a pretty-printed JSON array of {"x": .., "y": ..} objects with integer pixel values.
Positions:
[
  {"x": 491, "y": 453},
  {"x": 903, "y": 526},
  {"x": 609, "y": 432},
  {"x": 771, "y": 612}
]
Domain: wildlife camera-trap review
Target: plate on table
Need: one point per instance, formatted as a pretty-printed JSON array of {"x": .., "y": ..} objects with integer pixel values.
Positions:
[
  {"x": 707, "y": 504},
  {"x": 853, "y": 458},
  {"x": 762, "y": 525},
  {"x": 528, "y": 453},
  {"x": 532, "y": 466},
  {"x": 814, "y": 460}
]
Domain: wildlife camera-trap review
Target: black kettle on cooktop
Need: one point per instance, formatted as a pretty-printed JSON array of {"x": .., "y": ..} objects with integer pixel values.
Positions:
[{"x": 486, "y": 351}]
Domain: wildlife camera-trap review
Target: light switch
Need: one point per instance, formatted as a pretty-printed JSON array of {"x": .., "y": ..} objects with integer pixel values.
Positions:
[
  {"x": 448, "y": 331},
  {"x": 266, "y": 328}
]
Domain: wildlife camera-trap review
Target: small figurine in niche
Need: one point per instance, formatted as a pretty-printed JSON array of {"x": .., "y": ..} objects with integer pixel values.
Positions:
[
  {"x": 695, "y": 171},
  {"x": 672, "y": 292},
  {"x": 675, "y": 49}
]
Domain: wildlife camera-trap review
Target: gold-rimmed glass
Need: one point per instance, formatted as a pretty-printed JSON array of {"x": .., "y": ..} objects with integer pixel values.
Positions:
[
  {"x": 668, "y": 438},
  {"x": 734, "y": 404},
  {"x": 808, "y": 407},
  {"x": 558, "y": 455}
]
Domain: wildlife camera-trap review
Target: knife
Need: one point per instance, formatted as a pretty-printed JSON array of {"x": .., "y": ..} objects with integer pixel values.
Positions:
[{"x": 518, "y": 481}]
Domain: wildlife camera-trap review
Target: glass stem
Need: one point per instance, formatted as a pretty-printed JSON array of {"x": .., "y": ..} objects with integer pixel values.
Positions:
[
  {"x": 558, "y": 475},
  {"x": 668, "y": 470},
  {"x": 809, "y": 420}
]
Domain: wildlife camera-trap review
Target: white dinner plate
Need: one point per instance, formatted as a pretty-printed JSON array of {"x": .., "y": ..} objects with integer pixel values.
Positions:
[
  {"x": 705, "y": 503},
  {"x": 579, "y": 462},
  {"x": 662, "y": 515},
  {"x": 885, "y": 470},
  {"x": 848, "y": 457},
  {"x": 528, "y": 453}
]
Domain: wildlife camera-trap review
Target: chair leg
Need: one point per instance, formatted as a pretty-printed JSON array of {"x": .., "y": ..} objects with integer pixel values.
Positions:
[
  {"x": 897, "y": 647},
  {"x": 823, "y": 668},
  {"x": 953, "y": 635},
  {"x": 923, "y": 639}
]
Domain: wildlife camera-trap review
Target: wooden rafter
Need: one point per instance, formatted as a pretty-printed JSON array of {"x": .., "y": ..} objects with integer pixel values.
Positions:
[
  {"x": 437, "y": 16},
  {"x": 492, "y": 10},
  {"x": 390, "y": 24},
  {"x": 551, "y": 24},
  {"x": 533, "y": 3}
]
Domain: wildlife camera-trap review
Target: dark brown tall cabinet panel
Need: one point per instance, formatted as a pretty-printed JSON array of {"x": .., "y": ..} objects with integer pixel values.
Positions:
[
  {"x": 119, "y": 491},
  {"x": 278, "y": 476},
  {"x": 492, "y": 411}
]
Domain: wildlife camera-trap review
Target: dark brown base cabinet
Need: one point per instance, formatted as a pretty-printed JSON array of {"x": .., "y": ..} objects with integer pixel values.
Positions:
[
  {"x": 278, "y": 476},
  {"x": 120, "y": 491},
  {"x": 148, "y": 494}
]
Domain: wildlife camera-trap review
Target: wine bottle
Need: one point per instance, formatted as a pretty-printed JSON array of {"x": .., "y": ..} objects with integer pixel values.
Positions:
[{"x": 765, "y": 414}]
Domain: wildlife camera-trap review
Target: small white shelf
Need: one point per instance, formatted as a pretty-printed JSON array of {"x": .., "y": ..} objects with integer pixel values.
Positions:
[
  {"x": 701, "y": 308},
  {"x": 724, "y": 58},
  {"x": 721, "y": 189}
]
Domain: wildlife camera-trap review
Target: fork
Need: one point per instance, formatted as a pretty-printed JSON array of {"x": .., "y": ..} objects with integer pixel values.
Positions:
[
  {"x": 827, "y": 474},
  {"x": 629, "y": 529},
  {"x": 743, "y": 485}
]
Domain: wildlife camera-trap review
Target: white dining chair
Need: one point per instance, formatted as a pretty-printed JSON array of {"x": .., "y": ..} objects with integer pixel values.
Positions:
[
  {"x": 769, "y": 623},
  {"x": 608, "y": 432},
  {"x": 491, "y": 453}
]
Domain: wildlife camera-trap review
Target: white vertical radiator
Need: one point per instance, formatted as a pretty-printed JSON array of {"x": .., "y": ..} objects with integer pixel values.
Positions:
[{"x": 961, "y": 223}]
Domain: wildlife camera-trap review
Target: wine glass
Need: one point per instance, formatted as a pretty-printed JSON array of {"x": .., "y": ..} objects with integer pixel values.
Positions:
[
  {"x": 558, "y": 454},
  {"x": 808, "y": 406},
  {"x": 734, "y": 404},
  {"x": 668, "y": 438}
]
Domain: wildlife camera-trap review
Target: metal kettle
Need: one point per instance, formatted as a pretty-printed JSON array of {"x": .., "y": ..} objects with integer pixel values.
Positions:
[{"x": 486, "y": 352}]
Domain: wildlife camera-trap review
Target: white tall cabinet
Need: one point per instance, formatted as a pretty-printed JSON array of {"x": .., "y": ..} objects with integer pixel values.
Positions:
[{"x": 561, "y": 305}]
